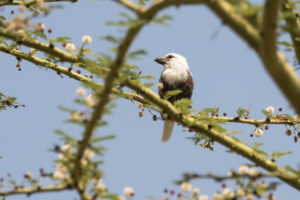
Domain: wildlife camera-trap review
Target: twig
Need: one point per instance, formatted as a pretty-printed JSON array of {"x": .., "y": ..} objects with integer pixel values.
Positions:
[
  {"x": 55, "y": 51},
  {"x": 29, "y": 191},
  {"x": 16, "y": 2},
  {"x": 232, "y": 144},
  {"x": 66, "y": 71},
  {"x": 192, "y": 176}
]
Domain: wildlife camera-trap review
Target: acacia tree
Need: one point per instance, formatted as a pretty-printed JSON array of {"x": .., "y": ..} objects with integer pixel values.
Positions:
[{"x": 115, "y": 77}]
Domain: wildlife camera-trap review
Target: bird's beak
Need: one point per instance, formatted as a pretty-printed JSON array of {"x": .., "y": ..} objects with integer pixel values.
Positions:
[{"x": 160, "y": 60}]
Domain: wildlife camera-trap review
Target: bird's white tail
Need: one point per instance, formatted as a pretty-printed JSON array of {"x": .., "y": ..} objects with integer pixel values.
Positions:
[{"x": 168, "y": 128}]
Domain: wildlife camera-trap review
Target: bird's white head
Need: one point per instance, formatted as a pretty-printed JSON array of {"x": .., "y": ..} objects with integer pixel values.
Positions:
[
  {"x": 176, "y": 67},
  {"x": 173, "y": 61}
]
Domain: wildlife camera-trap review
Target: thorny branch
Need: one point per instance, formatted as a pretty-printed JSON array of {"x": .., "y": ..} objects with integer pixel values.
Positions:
[
  {"x": 274, "y": 62},
  {"x": 29, "y": 191},
  {"x": 27, "y": 3}
]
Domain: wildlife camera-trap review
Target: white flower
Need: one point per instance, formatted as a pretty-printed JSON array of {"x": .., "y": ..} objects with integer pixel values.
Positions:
[
  {"x": 28, "y": 175},
  {"x": 230, "y": 173},
  {"x": 186, "y": 186},
  {"x": 62, "y": 157},
  {"x": 70, "y": 47},
  {"x": 243, "y": 170},
  {"x": 81, "y": 91},
  {"x": 21, "y": 33},
  {"x": 66, "y": 147},
  {"x": 40, "y": 3},
  {"x": 228, "y": 193},
  {"x": 58, "y": 175},
  {"x": 250, "y": 196},
  {"x": 86, "y": 39},
  {"x": 90, "y": 100},
  {"x": 84, "y": 162},
  {"x": 203, "y": 197},
  {"x": 297, "y": 117},
  {"x": 217, "y": 196},
  {"x": 74, "y": 116},
  {"x": 240, "y": 193},
  {"x": 258, "y": 132},
  {"x": 270, "y": 110},
  {"x": 128, "y": 192},
  {"x": 60, "y": 167},
  {"x": 253, "y": 171},
  {"x": 40, "y": 27},
  {"x": 160, "y": 86},
  {"x": 196, "y": 192},
  {"x": 100, "y": 187},
  {"x": 89, "y": 154}
]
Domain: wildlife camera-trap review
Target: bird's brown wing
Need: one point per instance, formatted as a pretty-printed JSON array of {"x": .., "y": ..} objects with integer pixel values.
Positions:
[{"x": 186, "y": 88}]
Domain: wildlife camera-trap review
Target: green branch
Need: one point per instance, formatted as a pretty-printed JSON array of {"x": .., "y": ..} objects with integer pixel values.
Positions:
[
  {"x": 225, "y": 11},
  {"x": 131, "y": 96},
  {"x": 29, "y": 191},
  {"x": 232, "y": 144},
  {"x": 26, "y": 3},
  {"x": 67, "y": 72},
  {"x": 103, "y": 96},
  {"x": 61, "y": 54},
  {"x": 192, "y": 176},
  {"x": 131, "y": 6},
  {"x": 293, "y": 24},
  {"x": 274, "y": 62}
]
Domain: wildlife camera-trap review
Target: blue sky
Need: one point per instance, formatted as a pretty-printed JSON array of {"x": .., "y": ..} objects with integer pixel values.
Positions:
[{"x": 227, "y": 73}]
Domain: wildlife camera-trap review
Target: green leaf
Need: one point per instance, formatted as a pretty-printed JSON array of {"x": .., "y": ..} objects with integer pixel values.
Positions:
[
  {"x": 265, "y": 113},
  {"x": 183, "y": 105},
  {"x": 163, "y": 20},
  {"x": 111, "y": 39},
  {"x": 61, "y": 40},
  {"x": 99, "y": 139},
  {"x": 136, "y": 54},
  {"x": 235, "y": 132},
  {"x": 208, "y": 111},
  {"x": 289, "y": 117},
  {"x": 242, "y": 111},
  {"x": 280, "y": 154},
  {"x": 147, "y": 77},
  {"x": 172, "y": 93}
]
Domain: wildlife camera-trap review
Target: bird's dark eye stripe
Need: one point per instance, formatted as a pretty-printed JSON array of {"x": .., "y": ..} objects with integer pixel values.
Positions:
[{"x": 170, "y": 56}]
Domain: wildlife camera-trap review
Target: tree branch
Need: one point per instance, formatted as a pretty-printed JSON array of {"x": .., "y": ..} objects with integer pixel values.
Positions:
[
  {"x": 16, "y": 2},
  {"x": 191, "y": 176},
  {"x": 274, "y": 62},
  {"x": 232, "y": 144},
  {"x": 103, "y": 96},
  {"x": 236, "y": 22},
  {"x": 63, "y": 70},
  {"x": 29, "y": 191},
  {"x": 61, "y": 54},
  {"x": 293, "y": 24},
  {"x": 66, "y": 71},
  {"x": 131, "y": 6}
]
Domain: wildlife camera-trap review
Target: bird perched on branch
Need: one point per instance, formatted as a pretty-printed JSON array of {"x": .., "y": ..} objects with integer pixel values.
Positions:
[{"x": 176, "y": 76}]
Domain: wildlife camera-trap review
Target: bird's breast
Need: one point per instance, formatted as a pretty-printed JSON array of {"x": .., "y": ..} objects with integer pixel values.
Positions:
[{"x": 174, "y": 76}]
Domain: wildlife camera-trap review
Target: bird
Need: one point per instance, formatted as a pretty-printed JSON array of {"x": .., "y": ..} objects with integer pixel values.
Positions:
[{"x": 175, "y": 76}]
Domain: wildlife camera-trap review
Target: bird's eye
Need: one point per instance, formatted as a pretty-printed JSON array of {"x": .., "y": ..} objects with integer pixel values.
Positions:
[{"x": 170, "y": 56}]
